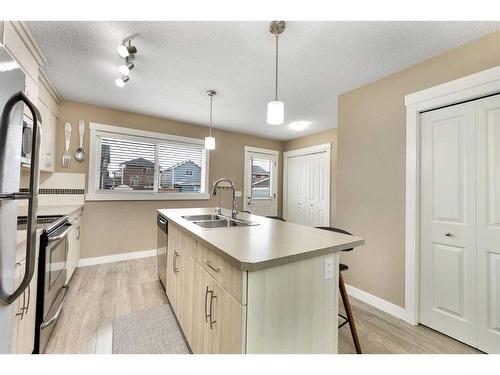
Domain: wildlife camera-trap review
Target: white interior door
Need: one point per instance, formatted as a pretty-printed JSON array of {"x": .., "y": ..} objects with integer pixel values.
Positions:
[
  {"x": 261, "y": 181},
  {"x": 308, "y": 186},
  {"x": 488, "y": 223},
  {"x": 448, "y": 209}
]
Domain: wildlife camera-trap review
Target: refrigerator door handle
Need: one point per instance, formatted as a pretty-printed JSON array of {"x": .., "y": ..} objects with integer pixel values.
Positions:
[{"x": 32, "y": 195}]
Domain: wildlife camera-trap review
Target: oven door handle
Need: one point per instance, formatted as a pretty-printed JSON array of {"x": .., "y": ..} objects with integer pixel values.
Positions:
[
  {"x": 58, "y": 312},
  {"x": 61, "y": 235}
]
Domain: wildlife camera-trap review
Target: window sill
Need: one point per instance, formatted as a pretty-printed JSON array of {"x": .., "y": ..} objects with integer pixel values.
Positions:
[{"x": 146, "y": 196}]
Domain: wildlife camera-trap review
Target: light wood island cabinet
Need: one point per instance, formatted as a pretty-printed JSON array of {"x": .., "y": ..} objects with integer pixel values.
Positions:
[{"x": 280, "y": 304}]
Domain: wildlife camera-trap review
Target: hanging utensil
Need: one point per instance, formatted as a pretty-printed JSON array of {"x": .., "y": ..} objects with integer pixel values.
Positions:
[
  {"x": 66, "y": 158},
  {"x": 80, "y": 154}
]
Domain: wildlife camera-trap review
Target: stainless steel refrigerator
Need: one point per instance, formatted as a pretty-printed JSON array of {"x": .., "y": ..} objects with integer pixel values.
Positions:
[{"x": 16, "y": 142}]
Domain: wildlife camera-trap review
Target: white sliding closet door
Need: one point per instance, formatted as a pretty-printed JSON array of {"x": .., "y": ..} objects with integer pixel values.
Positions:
[
  {"x": 488, "y": 223},
  {"x": 448, "y": 209},
  {"x": 308, "y": 186}
]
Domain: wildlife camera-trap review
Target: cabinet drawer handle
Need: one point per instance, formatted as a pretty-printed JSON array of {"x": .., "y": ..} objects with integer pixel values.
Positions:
[
  {"x": 206, "y": 299},
  {"x": 208, "y": 263},
  {"x": 212, "y": 297},
  {"x": 448, "y": 234}
]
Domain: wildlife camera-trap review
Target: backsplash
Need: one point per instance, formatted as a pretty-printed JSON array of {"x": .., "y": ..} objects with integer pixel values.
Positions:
[{"x": 58, "y": 189}]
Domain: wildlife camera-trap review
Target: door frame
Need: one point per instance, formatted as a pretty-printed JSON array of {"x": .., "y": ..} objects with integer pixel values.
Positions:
[
  {"x": 471, "y": 87},
  {"x": 275, "y": 182},
  {"x": 325, "y": 147}
]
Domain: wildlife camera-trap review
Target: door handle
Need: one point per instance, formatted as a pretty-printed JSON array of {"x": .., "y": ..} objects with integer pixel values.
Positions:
[
  {"x": 26, "y": 309},
  {"x": 174, "y": 263},
  {"x": 212, "y": 297},
  {"x": 206, "y": 299},
  {"x": 448, "y": 234},
  {"x": 21, "y": 310},
  {"x": 32, "y": 197}
]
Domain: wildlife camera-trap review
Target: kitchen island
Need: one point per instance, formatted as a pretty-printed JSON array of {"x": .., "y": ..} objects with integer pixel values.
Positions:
[{"x": 268, "y": 287}]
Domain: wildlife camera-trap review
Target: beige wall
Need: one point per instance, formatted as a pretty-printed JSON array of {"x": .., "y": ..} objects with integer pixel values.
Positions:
[
  {"x": 117, "y": 227},
  {"x": 327, "y": 136},
  {"x": 371, "y": 163}
]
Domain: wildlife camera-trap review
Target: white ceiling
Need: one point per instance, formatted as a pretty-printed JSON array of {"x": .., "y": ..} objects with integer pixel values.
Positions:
[{"x": 178, "y": 61}]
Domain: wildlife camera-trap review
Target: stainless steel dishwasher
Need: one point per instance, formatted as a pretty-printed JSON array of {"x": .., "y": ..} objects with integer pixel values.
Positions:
[{"x": 161, "y": 252}]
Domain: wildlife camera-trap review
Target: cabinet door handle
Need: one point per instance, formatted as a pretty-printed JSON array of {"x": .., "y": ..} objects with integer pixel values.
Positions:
[
  {"x": 29, "y": 297},
  {"x": 212, "y": 297},
  {"x": 206, "y": 299},
  {"x": 209, "y": 264},
  {"x": 174, "y": 263},
  {"x": 21, "y": 310}
]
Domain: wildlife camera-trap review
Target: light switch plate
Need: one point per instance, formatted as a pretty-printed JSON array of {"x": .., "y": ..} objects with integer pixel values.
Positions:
[
  {"x": 238, "y": 194},
  {"x": 328, "y": 268}
]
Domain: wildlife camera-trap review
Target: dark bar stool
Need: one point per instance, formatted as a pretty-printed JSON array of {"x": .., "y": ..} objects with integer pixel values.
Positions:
[
  {"x": 345, "y": 299},
  {"x": 276, "y": 218}
]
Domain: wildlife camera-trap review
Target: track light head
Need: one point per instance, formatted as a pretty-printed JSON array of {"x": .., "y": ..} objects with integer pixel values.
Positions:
[
  {"x": 120, "y": 82},
  {"x": 126, "y": 68},
  {"x": 126, "y": 51}
]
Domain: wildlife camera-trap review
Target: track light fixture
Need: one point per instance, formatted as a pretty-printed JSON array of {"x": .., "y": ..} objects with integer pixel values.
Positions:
[{"x": 127, "y": 52}]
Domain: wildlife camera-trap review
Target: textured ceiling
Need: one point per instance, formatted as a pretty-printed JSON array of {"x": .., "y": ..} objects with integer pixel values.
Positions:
[{"x": 178, "y": 61}]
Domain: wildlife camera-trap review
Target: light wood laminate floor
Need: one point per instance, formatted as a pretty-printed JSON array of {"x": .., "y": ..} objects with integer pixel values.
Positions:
[{"x": 100, "y": 293}]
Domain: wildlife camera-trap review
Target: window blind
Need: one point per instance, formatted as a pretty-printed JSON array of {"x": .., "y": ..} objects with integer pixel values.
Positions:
[{"x": 131, "y": 165}]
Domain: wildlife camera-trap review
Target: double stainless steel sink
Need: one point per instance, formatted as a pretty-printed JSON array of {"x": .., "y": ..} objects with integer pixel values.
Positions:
[{"x": 218, "y": 221}]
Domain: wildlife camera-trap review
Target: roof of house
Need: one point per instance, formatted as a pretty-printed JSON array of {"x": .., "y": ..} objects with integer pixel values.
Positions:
[
  {"x": 139, "y": 162},
  {"x": 257, "y": 169},
  {"x": 181, "y": 163}
]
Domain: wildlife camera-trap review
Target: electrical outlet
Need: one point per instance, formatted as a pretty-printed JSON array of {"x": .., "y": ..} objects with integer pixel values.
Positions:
[
  {"x": 238, "y": 194},
  {"x": 328, "y": 268}
]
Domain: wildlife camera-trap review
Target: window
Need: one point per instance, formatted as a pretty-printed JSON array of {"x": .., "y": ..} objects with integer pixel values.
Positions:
[
  {"x": 133, "y": 164},
  {"x": 261, "y": 178}
]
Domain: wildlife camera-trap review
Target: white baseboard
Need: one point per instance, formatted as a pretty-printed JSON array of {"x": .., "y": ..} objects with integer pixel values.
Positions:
[
  {"x": 378, "y": 303},
  {"x": 116, "y": 258}
]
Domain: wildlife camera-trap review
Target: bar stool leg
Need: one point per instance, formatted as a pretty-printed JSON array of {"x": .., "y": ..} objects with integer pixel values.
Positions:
[{"x": 350, "y": 318}]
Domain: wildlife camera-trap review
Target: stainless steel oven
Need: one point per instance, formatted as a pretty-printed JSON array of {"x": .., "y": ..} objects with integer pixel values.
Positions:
[
  {"x": 162, "y": 247},
  {"x": 52, "y": 288}
]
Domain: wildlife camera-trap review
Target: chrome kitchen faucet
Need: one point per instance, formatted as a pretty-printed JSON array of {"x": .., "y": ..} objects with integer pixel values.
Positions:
[{"x": 234, "y": 210}]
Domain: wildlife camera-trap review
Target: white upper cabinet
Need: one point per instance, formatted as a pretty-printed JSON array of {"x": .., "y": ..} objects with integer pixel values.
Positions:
[{"x": 48, "y": 105}]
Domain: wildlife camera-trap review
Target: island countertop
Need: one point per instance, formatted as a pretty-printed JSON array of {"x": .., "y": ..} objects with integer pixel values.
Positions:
[{"x": 269, "y": 244}]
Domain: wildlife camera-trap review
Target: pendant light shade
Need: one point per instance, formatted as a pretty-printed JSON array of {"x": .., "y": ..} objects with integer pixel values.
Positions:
[
  {"x": 210, "y": 141},
  {"x": 275, "y": 112},
  {"x": 276, "y": 108}
]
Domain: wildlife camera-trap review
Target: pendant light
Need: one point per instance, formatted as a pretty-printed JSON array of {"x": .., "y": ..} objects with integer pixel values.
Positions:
[
  {"x": 210, "y": 141},
  {"x": 276, "y": 108}
]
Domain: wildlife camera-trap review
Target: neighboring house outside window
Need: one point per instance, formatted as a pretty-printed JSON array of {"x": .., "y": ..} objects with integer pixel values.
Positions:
[{"x": 183, "y": 177}]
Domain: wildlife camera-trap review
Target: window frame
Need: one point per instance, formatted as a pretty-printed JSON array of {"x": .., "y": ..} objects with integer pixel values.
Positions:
[{"x": 98, "y": 131}]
